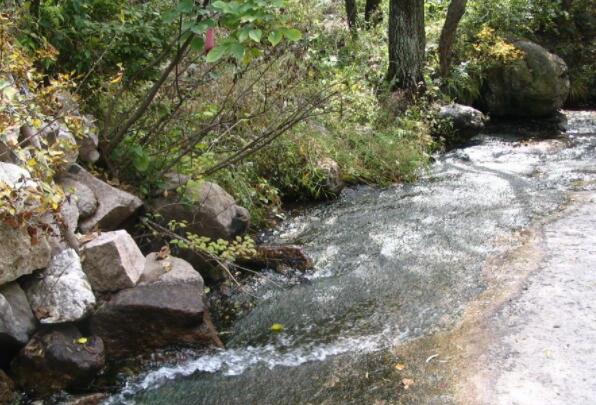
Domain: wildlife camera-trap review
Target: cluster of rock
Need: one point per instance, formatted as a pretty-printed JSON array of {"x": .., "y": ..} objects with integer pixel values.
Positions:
[
  {"x": 83, "y": 295},
  {"x": 536, "y": 85},
  {"x": 63, "y": 312}
]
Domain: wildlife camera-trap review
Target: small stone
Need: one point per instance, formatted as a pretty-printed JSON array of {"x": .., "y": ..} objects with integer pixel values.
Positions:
[{"x": 112, "y": 261}]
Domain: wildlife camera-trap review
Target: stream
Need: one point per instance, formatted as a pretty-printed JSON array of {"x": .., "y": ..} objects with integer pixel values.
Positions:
[{"x": 399, "y": 273}]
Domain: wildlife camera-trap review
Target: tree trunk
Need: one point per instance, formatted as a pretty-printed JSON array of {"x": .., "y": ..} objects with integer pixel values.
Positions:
[
  {"x": 372, "y": 11},
  {"x": 454, "y": 14},
  {"x": 352, "y": 13},
  {"x": 406, "y": 44}
]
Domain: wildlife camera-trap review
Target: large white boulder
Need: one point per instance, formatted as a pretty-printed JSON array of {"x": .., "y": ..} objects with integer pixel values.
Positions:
[
  {"x": 61, "y": 293},
  {"x": 112, "y": 261}
]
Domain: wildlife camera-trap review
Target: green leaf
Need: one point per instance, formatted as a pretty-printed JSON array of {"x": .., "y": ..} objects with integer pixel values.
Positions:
[
  {"x": 186, "y": 6},
  {"x": 141, "y": 162},
  {"x": 275, "y": 37},
  {"x": 237, "y": 50},
  {"x": 197, "y": 43},
  {"x": 216, "y": 54},
  {"x": 293, "y": 34},
  {"x": 255, "y": 35}
]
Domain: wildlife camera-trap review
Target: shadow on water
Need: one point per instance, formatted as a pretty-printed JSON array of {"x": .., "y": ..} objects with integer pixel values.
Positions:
[{"x": 393, "y": 265}]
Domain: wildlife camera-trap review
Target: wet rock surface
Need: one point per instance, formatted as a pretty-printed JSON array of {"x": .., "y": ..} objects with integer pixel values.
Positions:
[
  {"x": 541, "y": 343},
  {"x": 56, "y": 359}
]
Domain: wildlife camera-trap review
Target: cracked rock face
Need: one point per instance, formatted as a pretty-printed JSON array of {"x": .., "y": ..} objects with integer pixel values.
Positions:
[{"x": 62, "y": 292}]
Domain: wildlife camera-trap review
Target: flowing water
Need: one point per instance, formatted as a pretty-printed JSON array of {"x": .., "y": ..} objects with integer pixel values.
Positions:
[{"x": 396, "y": 270}]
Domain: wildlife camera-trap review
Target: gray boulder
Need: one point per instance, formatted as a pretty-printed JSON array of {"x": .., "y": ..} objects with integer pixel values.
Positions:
[
  {"x": 209, "y": 210},
  {"x": 84, "y": 197},
  {"x": 112, "y": 261},
  {"x": 333, "y": 183},
  {"x": 467, "y": 122},
  {"x": 17, "y": 322},
  {"x": 61, "y": 293},
  {"x": 18, "y": 255},
  {"x": 114, "y": 207},
  {"x": 56, "y": 359},
  {"x": 537, "y": 85},
  {"x": 167, "y": 308}
]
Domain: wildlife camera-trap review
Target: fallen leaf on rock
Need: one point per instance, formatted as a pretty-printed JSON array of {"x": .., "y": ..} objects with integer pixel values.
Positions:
[{"x": 82, "y": 340}]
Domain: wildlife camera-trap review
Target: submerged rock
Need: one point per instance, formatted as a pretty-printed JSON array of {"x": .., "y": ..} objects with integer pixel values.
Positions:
[
  {"x": 56, "y": 359},
  {"x": 167, "y": 308},
  {"x": 467, "y": 122},
  {"x": 280, "y": 257},
  {"x": 61, "y": 293},
  {"x": 115, "y": 206},
  {"x": 537, "y": 85},
  {"x": 209, "y": 210},
  {"x": 17, "y": 322},
  {"x": 112, "y": 261}
]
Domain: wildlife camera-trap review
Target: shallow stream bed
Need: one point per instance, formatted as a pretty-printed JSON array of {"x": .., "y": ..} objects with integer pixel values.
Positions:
[{"x": 403, "y": 277}]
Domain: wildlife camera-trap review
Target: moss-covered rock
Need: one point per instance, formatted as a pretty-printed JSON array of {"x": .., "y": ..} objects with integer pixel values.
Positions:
[{"x": 536, "y": 85}]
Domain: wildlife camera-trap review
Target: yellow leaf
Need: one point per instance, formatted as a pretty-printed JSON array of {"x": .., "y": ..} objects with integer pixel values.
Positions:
[
  {"x": 400, "y": 366},
  {"x": 82, "y": 340},
  {"x": 277, "y": 327}
]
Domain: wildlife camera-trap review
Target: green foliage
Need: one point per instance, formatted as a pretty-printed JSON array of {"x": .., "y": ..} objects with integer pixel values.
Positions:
[
  {"x": 568, "y": 33},
  {"x": 99, "y": 36},
  {"x": 225, "y": 251}
]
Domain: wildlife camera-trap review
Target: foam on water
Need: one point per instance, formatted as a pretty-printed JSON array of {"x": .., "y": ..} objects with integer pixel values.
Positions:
[{"x": 232, "y": 362}]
